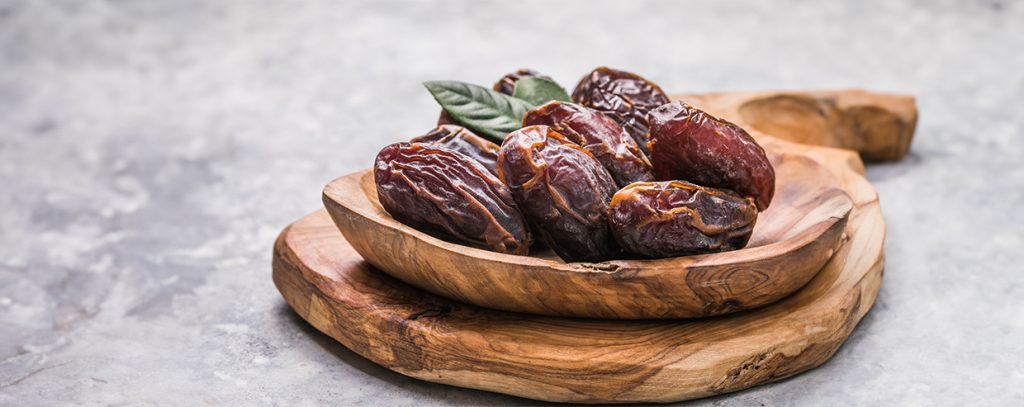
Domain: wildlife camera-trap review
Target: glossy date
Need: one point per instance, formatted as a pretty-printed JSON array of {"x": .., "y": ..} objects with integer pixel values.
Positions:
[
  {"x": 562, "y": 190},
  {"x": 598, "y": 134},
  {"x": 689, "y": 144},
  {"x": 460, "y": 139},
  {"x": 440, "y": 190},
  {"x": 676, "y": 218},
  {"x": 624, "y": 96}
]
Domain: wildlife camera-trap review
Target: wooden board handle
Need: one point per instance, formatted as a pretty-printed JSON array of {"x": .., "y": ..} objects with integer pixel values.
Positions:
[{"x": 880, "y": 126}]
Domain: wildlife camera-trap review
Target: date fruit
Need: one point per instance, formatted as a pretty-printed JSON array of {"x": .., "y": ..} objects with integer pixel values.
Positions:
[
  {"x": 598, "y": 134},
  {"x": 676, "y": 218},
  {"x": 440, "y": 190},
  {"x": 445, "y": 118},
  {"x": 691, "y": 145},
  {"x": 462, "y": 140},
  {"x": 507, "y": 83},
  {"x": 624, "y": 96},
  {"x": 562, "y": 190}
]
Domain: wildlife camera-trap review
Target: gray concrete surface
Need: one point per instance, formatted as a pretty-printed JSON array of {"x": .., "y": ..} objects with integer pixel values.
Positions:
[{"x": 151, "y": 150}]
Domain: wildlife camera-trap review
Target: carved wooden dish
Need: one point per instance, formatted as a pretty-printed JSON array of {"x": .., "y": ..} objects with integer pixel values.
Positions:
[
  {"x": 792, "y": 240},
  {"x": 601, "y": 361},
  {"x": 578, "y": 360}
]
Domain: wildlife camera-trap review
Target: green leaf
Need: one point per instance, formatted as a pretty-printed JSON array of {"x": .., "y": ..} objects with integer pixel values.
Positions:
[
  {"x": 538, "y": 90},
  {"x": 488, "y": 113}
]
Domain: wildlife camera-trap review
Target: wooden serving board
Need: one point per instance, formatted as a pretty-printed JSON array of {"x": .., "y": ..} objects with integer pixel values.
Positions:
[
  {"x": 879, "y": 126},
  {"x": 591, "y": 361}
]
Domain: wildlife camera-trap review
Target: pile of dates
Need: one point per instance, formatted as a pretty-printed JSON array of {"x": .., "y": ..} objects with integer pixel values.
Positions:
[{"x": 621, "y": 172}]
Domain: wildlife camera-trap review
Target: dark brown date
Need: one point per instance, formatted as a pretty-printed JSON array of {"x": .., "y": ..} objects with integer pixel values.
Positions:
[
  {"x": 439, "y": 190},
  {"x": 599, "y": 135},
  {"x": 562, "y": 190},
  {"x": 507, "y": 83},
  {"x": 444, "y": 118},
  {"x": 460, "y": 139},
  {"x": 676, "y": 218},
  {"x": 624, "y": 96},
  {"x": 689, "y": 144}
]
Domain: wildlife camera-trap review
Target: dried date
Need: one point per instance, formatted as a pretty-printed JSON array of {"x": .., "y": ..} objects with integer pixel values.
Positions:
[
  {"x": 691, "y": 145},
  {"x": 562, "y": 190},
  {"x": 444, "y": 118},
  {"x": 598, "y": 134},
  {"x": 624, "y": 96},
  {"x": 440, "y": 190},
  {"x": 676, "y": 218},
  {"x": 462, "y": 140}
]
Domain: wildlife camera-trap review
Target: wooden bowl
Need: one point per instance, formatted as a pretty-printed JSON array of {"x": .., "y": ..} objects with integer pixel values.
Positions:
[{"x": 791, "y": 242}]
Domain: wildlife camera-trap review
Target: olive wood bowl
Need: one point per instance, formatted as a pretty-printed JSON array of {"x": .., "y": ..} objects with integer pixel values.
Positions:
[{"x": 791, "y": 242}]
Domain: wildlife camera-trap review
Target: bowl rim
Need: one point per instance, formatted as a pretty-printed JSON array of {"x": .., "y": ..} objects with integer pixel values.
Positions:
[{"x": 727, "y": 258}]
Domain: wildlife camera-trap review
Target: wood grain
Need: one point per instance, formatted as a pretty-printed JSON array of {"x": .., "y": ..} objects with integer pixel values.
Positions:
[
  {"x": 577, "y": 360},
  {"x": 603, "y": 361},
  {"x": 878, "y": 125},
  {"x": 791, "y": 242}
]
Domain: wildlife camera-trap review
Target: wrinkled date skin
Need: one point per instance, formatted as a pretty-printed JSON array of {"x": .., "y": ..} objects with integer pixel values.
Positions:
[
  {"x": 462, "y": 140},
  {"x": 624, "y": 96},
  {"x": 598, "y": 134},
  {"x": 562, "y": 190},
  {"x": 437, "y": 189},
  {"x": 691, "y": 145},
  {"x": 676, "y": 218}
]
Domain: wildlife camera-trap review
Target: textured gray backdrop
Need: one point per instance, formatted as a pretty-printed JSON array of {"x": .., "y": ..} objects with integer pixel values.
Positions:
[{"x": 150, "y": 151}]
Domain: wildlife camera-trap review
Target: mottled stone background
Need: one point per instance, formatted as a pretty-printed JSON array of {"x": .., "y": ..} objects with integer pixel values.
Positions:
[{"x": 150, "y": 151}]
